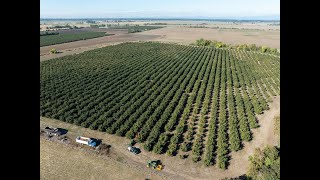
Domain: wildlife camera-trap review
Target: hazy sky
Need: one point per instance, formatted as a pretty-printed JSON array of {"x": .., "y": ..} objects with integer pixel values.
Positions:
[{"x": 158, "y": 8}]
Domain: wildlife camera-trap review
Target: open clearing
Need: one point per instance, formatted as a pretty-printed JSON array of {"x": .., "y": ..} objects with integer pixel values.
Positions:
[
  {"x": 63, "y": 162},
  {"x": 233, "y": 36},
  {"x": 58, "y": 161}
]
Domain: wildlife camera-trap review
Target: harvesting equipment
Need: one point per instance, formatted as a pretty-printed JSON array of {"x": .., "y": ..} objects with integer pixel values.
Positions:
[{"x": 156, "y": 164}]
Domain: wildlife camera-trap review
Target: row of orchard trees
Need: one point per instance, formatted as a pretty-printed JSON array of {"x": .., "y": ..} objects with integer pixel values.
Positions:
[
  {"x": 197, "y": 148},
  {"x": 103, "y": 98},
  {"x": 144, "y": 123},
  {"x": 170, "y": 104},
  {"x": 184, "y": 99},
  {"x": 192, "y": 88}
]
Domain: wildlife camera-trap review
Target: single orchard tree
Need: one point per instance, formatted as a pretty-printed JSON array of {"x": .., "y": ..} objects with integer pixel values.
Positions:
[{"x": 185, "y": 147}]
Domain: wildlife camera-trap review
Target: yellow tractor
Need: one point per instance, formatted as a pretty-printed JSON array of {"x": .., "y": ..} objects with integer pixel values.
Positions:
[{"x": 156, "y": 164}]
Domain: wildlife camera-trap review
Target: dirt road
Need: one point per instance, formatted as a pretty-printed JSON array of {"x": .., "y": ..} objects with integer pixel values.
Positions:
[{"x": 175, "y": 168}]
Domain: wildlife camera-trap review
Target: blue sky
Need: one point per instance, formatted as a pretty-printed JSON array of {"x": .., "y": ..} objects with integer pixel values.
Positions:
[{"x": 158, "y": 8}]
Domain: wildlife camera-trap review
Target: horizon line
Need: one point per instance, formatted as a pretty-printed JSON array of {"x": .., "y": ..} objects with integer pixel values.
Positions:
[{"x": 164, "y": 18}]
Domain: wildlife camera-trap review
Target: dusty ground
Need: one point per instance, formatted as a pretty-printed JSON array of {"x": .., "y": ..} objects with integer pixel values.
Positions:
[
  {"x": 75, "y": 163},
  {"x": 231, "y": 36},
  {"x": 69, "y": 160},
  {"x": 175, "y": 168}
]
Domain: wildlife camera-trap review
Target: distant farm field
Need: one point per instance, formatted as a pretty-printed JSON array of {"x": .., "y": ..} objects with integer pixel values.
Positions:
[
  {"x": 184, "y": 35},
  {"x": 63, "y": 38},
  {"x": 175, "y": 99},
  {"x": 136, "y": 28}
]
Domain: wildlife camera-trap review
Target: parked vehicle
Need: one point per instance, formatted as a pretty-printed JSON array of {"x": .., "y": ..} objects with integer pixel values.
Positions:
[
  {"x": 52, "y": 131},
  {"x": 133, "y": 149},
  {"x": 87, "y": 141}
]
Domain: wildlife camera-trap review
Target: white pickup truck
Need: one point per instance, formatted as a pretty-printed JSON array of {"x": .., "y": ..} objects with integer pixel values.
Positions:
[{"x": 87, "y": 141}]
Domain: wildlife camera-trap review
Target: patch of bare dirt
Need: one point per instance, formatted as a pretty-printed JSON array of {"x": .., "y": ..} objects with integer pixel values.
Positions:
[
  {"x": 186, "y": 35},
  {"x": 58, "y": 161}
]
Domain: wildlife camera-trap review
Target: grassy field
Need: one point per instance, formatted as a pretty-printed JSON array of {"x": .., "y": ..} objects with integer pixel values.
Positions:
[
  {"x": 184, "y": 35},
  {"x": 63, "y": 38},
  {"x": 175, "y": 99},
  {"x": 74, "y": 163}
]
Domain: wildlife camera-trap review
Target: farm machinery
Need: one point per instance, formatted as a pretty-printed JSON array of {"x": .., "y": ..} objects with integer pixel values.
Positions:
[{"x": 156, "y": 164}]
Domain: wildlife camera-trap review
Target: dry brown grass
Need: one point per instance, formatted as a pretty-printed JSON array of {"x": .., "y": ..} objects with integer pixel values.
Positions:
[
  {"x": 59, "y": 161},
  {"x": 231, "y": 36}
]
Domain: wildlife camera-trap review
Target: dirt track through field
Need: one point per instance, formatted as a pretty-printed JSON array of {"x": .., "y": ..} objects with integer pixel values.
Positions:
[{"x": 176, "y": 168}]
